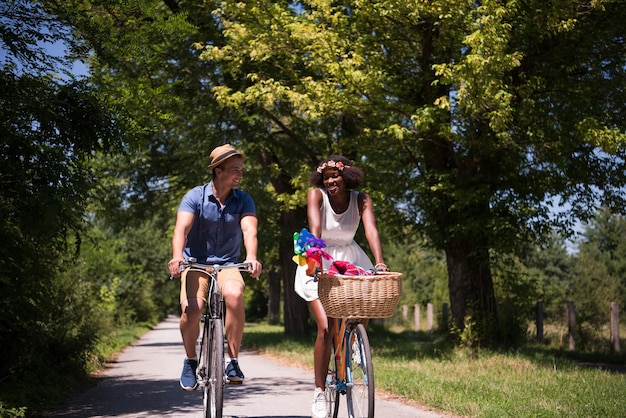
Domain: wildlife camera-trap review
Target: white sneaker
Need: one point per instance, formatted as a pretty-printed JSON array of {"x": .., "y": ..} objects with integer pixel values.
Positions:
[{"x": 318, "y": 409}]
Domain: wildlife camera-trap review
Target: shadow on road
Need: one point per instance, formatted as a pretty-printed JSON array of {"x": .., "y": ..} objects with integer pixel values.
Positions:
[{"x": 133, "y": 397}]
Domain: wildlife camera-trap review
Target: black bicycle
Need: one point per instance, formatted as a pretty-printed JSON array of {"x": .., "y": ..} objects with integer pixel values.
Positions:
[{"x": 210, "y": 371}]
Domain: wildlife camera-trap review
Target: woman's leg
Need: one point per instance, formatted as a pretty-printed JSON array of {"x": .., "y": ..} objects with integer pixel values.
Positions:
[{"x": 321, "y": 351}]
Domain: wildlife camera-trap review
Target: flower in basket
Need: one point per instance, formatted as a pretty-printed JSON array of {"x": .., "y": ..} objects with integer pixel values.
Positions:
[
  {"x": 304, "y": 240},
  {"x": 308, "y": 249}
]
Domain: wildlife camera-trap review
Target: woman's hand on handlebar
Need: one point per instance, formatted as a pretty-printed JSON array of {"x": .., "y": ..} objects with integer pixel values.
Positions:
[
  {"x": 174, "y": 266},
  {"x": 255, "y": 268}
]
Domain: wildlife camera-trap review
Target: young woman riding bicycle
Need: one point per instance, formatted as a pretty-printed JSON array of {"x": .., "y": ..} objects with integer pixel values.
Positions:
[{"x": 334, "y": 211}]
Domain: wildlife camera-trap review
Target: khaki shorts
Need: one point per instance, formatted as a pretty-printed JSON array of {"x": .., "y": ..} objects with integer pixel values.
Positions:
[{"x": 195, "y": 284}]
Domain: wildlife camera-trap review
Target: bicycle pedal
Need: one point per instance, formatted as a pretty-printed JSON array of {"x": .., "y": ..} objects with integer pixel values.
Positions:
[{"x": 234, "y": 382}]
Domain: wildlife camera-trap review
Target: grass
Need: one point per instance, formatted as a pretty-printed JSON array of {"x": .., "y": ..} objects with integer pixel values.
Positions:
[
  {"x": 419, "y": 368},
  {"x": 112, "y": 344}
]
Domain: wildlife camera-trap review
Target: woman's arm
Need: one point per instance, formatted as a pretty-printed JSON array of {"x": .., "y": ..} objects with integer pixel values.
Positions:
[
  {"x": 314, "y": 202},
  {"x": 371, "y": 231}
]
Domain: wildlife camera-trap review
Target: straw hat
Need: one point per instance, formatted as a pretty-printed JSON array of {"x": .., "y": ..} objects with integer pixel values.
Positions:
[{"x": 222, "y": 153}]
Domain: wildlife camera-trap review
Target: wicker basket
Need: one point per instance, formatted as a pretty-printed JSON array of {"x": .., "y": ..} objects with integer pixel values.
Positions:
[{"x": 375, "y": 296}]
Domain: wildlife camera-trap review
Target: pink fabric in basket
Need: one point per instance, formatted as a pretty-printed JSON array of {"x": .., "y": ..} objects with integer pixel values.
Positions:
[{"x": 347, "y": 269}]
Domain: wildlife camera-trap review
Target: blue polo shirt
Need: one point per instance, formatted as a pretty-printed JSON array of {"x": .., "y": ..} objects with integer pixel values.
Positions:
[{"x": 215, "y": 236}]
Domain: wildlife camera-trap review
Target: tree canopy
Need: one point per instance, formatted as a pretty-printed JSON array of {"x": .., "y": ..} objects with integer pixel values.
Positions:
[
  {"x": 480, "y": 113},
  {"x": 52, "y": 126},
  {"x": 468, "y": 118}
]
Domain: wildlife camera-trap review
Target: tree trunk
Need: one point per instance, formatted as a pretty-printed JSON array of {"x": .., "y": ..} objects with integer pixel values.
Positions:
[
  {"x": 471, "y": 288},
  {"x": 295, "y": 308},
  {"x": 273, "y": 302}
]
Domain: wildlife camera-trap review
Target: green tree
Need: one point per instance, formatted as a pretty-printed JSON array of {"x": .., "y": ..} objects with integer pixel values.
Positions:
[
  {"x": 144, "y": 62},
  {"x": 52, "y": 124},
  {"x": 467, "y": 117},
  {"x": 600, "y": 268},
  {"x": 127, "y": 265},
  {"x": 550, "y": 271},
  {"x": 480, "y": 112},
  {"x": 424, "y": 269}
]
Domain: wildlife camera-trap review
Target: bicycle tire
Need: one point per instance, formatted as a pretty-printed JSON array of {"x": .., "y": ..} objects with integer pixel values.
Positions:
[
  {"x": 203, "y": 363},
  {"x": 360, "y": 393},
  {"x": 332, "y": 392},
  {"x": 213, "y": 395}
]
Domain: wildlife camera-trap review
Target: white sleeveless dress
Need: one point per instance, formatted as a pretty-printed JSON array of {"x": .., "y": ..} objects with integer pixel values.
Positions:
[{"x": 338, "y": 232}]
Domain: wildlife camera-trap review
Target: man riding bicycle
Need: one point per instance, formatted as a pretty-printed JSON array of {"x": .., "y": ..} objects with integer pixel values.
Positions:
[{"x": 211, "y": 221}]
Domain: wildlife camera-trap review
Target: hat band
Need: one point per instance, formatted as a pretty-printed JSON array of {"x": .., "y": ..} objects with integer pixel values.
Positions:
[{"x": 224, "y": 156}]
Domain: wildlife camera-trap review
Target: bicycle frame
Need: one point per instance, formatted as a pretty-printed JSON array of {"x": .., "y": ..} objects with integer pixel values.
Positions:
[{"x": 341, "y": 349}]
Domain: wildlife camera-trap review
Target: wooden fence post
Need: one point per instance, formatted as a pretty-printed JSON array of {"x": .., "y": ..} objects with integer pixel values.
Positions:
[
  {"x": 405, "y": 312},
  {"x": 416, "y": 316},
  {"x": 615, "y": 327},
  {"x": 571, "y": 324},
  {"x": 540, "y": 321},
  {"x": 429, "y": 316}
]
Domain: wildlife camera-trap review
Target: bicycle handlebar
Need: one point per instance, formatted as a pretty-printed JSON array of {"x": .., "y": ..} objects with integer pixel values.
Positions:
[{"x": 193, "y": 263}]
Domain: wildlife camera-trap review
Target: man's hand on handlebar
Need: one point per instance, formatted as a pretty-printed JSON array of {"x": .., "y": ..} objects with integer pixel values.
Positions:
[
  {"x": 255, "y": 268},
  {"x": 174, "y": 266}
]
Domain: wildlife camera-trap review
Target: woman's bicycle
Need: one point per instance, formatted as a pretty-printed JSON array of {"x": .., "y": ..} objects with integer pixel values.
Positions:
[
  {"x": 348, "y": 300},
  {"x": 210, "y": 371}
]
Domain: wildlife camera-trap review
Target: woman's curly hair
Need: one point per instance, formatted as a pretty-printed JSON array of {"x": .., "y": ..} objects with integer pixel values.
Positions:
[{"x": 352, "y": 176}]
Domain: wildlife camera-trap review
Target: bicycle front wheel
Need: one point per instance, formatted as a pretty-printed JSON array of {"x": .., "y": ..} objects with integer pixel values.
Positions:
[
  {"x": 360, "y": 391},
  {"x": 214, "y": 389},
  {"x": 332, "y": 386}
]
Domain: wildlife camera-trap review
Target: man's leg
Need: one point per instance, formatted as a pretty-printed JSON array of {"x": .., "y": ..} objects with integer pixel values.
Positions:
[
  {"x": 190, "y": 325},
  {"x": 232, "y": 291},
  {"x": 193, "y": 289}
]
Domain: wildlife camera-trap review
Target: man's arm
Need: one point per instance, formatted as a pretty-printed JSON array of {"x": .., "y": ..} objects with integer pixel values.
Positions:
[
  {"x": 184, "y": 221},
  {"x": 249, "y": 228}
]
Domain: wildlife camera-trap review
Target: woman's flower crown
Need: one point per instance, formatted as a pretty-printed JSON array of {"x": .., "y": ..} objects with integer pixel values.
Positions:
[{"x": 332, "y": 164}]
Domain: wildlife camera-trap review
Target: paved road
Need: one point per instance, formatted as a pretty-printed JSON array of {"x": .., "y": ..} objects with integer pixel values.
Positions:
[{"x": 143, "y": 382}]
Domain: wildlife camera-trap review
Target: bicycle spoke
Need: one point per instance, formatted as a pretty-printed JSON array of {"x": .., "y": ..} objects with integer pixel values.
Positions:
[{"x": 360, "y": 395}]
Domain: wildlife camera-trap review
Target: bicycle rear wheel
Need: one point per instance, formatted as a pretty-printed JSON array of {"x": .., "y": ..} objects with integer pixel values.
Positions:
[
  {"x": 332, "y": 392},
  {"x": 360, "y": 393},
  {"x": 213, "y": 396}
]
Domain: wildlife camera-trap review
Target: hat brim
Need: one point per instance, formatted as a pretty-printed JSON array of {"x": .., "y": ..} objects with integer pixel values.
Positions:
[{"x": 222, "y": 158}]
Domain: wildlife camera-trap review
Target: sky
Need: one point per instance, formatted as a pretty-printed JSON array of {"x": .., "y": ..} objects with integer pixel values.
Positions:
[{"x": 58, "y": 49}]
